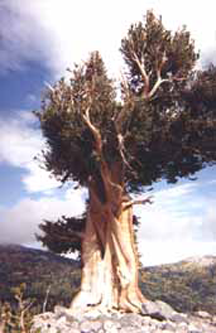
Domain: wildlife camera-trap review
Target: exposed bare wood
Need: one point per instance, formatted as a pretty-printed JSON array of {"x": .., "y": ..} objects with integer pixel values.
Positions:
[
  {"x": 46, "y": 298},
  {"x": 23, "y": 309},
  {"x": 137, "y": 202},
  {"x": 93, "y": 129},
  {"x": 121, "y": 150},
  {"x": 141, "y": 65},
  {"x": 160, "y": 80},
  {"x": 125, "y": 87},
  {"x": 156, "y": 86},
  {"x": 109, "y": 274},
  {"x": 98, "y": 145}
]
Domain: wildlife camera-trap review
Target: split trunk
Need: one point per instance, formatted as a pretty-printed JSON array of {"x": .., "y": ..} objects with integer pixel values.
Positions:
[{"x": 109, "y": 257}]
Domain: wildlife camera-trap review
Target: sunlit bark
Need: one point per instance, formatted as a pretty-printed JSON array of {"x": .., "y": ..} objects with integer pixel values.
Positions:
[{"x": 109, "y": 259}]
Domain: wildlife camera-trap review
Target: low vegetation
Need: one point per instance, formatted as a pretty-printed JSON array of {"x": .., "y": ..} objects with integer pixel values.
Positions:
[{"x": 186, "y": 285}]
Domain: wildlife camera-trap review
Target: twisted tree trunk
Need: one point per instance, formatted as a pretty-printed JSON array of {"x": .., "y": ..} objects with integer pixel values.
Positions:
[{"x": 109, "y": 259}]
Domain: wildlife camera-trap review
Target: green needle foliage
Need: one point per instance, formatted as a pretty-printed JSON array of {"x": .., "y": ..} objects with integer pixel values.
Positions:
[{"x": 164, "y": 126}]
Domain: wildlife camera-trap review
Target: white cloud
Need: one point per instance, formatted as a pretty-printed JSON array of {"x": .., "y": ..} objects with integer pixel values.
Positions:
[
  {"x": 63, "y": 32},
  {"x": 20, "y": 223},
  {"x": 38, "y": 180},
  {"x": 170, "y": 215},
  {"x": 180, "y": 223},
  {"x": 212, "y": 182},
  {"x": 22, "y": 37},
  {"x": 20, "y": 143},
  {"x": 208, "y": 224},
  {"x": 31, "y": 99},
  {"x": 158, "y": 252}
]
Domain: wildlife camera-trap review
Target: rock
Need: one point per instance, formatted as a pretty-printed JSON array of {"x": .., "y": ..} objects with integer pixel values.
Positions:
[
  {"x": 110, "y": 326},
  {"x": 152, "y": 309},
  {"x": 179, "y": 318},
  {"x": 131, "y": 319},
  {"x": 193, "y": 329},
  {"x": 158, "y": 310},
  {"x": 203, "y": 314},
  {"x": 90, "y": 326},
  {"x": 164, "y": 307},
  {"x": 158, "y": 317},
  {"x": 167, "y": 326}
]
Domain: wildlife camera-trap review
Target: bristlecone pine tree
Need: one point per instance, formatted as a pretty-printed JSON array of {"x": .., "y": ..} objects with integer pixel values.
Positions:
[{"x": 164, "y": 127}]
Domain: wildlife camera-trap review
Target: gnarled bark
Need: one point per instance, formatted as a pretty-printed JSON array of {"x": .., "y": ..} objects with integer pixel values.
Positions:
[{"x": 109, "y": 259}]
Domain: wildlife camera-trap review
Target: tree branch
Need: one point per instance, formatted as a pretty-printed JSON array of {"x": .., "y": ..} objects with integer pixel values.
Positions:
[
  {"x": 159, "y": 78},
  {"x": 145, "y": 76},
  {"x": 93, "y": 129},
  {"x": 121, "y": 150},
  {"x": 98, "y": 146},
  {"x": 46, "y": 298},
  {"x": 157, "y": 85},
  {"x": 148, "y": 94},
  {"x": 71, "y": 233},
  {"x": 131, "y": 203}
]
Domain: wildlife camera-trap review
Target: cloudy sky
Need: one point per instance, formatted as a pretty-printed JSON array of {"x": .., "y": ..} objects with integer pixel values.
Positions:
[{"x": 38, "y": 41}]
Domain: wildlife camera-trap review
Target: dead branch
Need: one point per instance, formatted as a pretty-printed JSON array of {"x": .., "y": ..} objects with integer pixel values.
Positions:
[
  {"x": 121, "y": 150},
  {"x": 157, "y": 85},
  {"x": 137, "y": 202},
  {"x": 143, "y": 72},
  {"x": 125, "y": 87},
  {"x": 160, "y": 80},
  {"x": 46, "y": 298},
  {"x": 98, "y": 146},
  {"x": 93, "y": 129},
  {"x": 22, "y": 317},
  {"x": 149, "y": 93},
  {"x": 23, "y": 309}
]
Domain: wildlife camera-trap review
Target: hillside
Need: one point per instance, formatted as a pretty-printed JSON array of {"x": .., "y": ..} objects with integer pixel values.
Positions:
[
  {"x": 40, "y": 271},
  {"x": 188, "y": 285}
]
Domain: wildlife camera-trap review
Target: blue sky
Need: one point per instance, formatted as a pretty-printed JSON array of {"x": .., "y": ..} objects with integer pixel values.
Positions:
[{"x": 38, "y": 41}]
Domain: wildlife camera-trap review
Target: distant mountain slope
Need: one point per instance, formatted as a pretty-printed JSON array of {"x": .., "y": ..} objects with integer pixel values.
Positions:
[
  {"x": 188, "y": 285},
  {"x": 39, "y": 270}
]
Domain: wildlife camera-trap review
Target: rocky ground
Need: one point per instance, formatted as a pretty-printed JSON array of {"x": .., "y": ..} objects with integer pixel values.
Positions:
[{"x": 157, "y": 317}]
